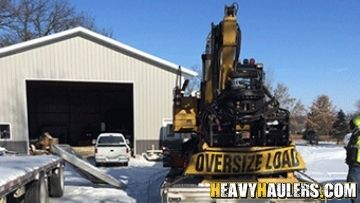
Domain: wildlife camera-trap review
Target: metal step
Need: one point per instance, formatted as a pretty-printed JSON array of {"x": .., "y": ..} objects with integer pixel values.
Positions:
[{"x": 84, "y": 168}]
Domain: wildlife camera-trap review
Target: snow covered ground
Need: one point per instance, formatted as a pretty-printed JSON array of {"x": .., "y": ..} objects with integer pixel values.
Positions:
[
  {"x": 143, "y": 178},
  {"x": 324, "y": 163},
  {"x": 79, "y": 189}
]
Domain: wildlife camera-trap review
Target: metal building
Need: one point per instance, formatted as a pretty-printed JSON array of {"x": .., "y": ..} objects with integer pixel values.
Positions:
[{"x": 77, "y": 83}]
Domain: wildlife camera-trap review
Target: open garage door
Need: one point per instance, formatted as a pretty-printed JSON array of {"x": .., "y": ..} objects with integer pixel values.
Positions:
[{"x": 76, "y": 112}]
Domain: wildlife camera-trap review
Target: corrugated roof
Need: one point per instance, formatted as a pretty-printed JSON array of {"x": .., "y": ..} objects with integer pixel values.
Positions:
[{"x": 80, "y": 31}]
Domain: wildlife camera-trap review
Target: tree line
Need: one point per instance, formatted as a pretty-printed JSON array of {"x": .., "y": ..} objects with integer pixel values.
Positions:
[{"x": 322, "y": 116}]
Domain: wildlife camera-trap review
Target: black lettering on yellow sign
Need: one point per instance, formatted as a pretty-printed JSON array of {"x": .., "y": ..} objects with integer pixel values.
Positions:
[
  {"x": 258, "y": 162},
  {"x": 218, "y": 163},
  {"x": 237, "y": 166},
  {"x": 295, "y": 161},
  {"x": 245, "y": 162},
  {"x": 283, "y": 159},
  {"x": 286, "y": 160}
]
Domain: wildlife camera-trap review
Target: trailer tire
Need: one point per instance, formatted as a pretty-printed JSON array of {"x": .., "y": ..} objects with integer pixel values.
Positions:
[
  {"x": 56, "y": 182},
  {"x": 37, "y": 191}
]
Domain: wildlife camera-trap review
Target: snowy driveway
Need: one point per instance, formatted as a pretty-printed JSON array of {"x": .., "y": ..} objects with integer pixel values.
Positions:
[{"x": 144, "y": 179}]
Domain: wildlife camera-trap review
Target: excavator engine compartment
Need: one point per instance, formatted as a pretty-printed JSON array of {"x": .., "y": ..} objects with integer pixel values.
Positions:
[{"x": 245, "y": 113}]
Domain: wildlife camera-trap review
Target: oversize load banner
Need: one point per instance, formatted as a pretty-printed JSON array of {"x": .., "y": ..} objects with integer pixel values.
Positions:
[{"x": 265, "y": 161}]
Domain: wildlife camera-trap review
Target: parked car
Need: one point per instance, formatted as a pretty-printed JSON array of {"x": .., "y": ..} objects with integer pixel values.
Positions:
[{"x": 112, "y": 148}]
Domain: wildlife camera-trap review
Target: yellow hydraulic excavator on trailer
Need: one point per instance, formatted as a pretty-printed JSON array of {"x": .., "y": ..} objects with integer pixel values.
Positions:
[{"x": 234, "y": 131}]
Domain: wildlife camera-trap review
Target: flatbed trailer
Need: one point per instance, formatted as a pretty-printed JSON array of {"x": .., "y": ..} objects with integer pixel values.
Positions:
[{"x": 30, "y": 178}]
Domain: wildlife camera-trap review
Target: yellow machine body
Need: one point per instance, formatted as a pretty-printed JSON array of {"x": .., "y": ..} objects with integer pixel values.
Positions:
[
  {"x": 252, "y": 163},
  {"x": 226, "y": 56},
  {"x": 185, "y": 115}
]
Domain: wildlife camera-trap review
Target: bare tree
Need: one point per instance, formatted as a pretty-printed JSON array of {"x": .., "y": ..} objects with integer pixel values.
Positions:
[
  {"x": 194, "y": 84},
  {"x": 269, "y": 79},
  {"x": 22, "y": 20},
  {"x": 294, "y": 106},
  {"x": 297, "y": 117},
  {"x": 5, "y": 13},
  {"x": 321, "y": 116},
  {"x": 281, "y": 93}
]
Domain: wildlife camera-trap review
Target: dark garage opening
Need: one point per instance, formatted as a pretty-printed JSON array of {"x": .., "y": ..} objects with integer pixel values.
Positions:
[{"x": 76, "y": 112}]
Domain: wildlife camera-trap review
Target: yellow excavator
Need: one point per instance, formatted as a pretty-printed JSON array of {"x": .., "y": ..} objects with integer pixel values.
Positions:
[{"x": 233, "y": 130}]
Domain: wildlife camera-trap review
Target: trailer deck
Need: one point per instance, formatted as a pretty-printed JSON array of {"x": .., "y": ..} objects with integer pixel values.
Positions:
[{"x": 19, "y": 170}]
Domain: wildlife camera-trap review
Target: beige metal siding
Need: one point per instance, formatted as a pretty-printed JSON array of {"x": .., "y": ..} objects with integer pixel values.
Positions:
[{"x": 80, "y": 59}]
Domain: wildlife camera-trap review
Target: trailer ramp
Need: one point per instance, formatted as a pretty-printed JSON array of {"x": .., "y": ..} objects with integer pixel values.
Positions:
[{"x": 84, "y": 168}]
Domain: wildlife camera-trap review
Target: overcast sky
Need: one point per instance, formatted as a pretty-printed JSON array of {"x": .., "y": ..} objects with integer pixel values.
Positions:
[{"x": 311, "y": 46}]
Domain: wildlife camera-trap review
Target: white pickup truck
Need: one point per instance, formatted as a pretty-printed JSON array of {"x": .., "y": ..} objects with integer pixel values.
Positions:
[
  {"x": 112, "y": 148},
  {"x": 30, "y": 178}
]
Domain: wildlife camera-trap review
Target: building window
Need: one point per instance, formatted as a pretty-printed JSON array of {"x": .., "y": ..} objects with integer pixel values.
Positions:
[{"x": 4, "y": 131}]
